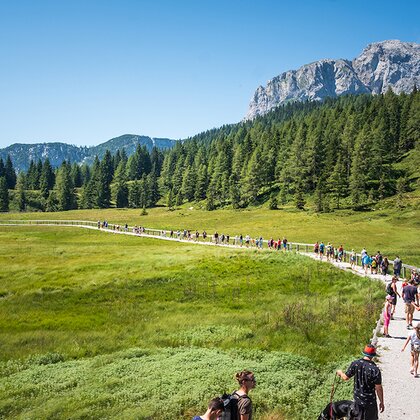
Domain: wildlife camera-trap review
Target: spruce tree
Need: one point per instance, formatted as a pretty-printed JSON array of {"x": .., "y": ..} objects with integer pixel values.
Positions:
[
  {"x": 2, "y": 169},
  {"x": 65, "y": 193},
  {"x": 121, "y": 188},
  {"x": 10, "y": 173},
  {"x": 21, "y": 195},
  {"x": 46, "y": 181},
  {"x": 134, "y": 195},
  {"x": 4, "y": 195}
]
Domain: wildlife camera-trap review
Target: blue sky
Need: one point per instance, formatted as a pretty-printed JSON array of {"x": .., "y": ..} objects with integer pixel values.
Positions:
[{"x": 85, "y": 71}]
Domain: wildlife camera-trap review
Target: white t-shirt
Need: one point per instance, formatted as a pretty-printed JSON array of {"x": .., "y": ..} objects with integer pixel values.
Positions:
[{"x": 415, "y": 341}]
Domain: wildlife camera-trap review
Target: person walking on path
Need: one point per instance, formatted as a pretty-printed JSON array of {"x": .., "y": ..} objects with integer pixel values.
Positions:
[
  {"x": 411, "y": 299},
  {"x": 414, "y": 338},
  {"x": 397, "y": 266},
  {"x": 214, "y": 410},
  {"x": 391, "y": 290},
  {"x": 246, "y": 380},
  {"x": 367, "y": 385},
  {"x": 387, "y": 315}
]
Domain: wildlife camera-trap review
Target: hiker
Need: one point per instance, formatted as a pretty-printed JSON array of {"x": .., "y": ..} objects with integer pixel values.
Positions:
[
  {"x": 391, "y": 289},
  {"x": 366, "y": 263},
  {"x": 321, "y": 250},
  {"x": 397, "y": 266},
  {"x": 214, "y": 410},
  {"x": 373, "y": 265},
  {"x": 411, "y": 299},
  {"x": 387, "y": 315},
  {"x": 316, "y": 249},
  {"x": 384, "y": 266},
  {"x": 367, "y": 385},
  {"x": 246, "y": 380},
  {"x": 414, "y": 337},
  {"x": 352, "y": 259},
  {"x": 340, "y": 253}
]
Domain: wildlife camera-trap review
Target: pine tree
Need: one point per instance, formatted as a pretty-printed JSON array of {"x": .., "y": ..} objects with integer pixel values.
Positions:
[
  {"x": 153, "y": 188},
  {"x": 21, "y": 195},
  {"x": 299, "y": 197},
  {"x": 121, "y": 188},
  {"x": 76, "y": 175},
  {"x": 202, "y": 182},
  {"x": 273, "y": 204},
  {"x": 66, "y": 197},
  {"x": 4, "y": 195},
  {"x": 338, "y": 182},
  {"x": 134, "y": 195},
  {"x": 2, "y": 169},
  {"x": 46, "y": 181},
  {"x": 10, "y": 173},
  {"x": 170, "y": 200},
  {"x": 52, "y": 202}
]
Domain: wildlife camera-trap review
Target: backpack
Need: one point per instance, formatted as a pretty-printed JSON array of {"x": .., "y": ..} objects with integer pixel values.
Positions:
[
  {"x": 231, "y": 405},
  {"x": 389, "y": 289}
]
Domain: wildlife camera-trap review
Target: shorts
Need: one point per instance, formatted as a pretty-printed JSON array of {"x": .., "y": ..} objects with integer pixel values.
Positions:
[
  {"x": 415, "y": 349},
  {"x": 368, "y": 412},
  {"x": 409, "y": 308}
]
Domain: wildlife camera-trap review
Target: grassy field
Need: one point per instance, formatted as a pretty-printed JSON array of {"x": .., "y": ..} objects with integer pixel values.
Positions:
[
  {"x": 390, "y": 230},
  {"x": 102, "y": 325}
]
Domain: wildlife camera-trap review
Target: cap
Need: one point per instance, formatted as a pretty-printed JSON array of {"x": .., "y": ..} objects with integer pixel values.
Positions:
[{"x": 369, "y": 351}]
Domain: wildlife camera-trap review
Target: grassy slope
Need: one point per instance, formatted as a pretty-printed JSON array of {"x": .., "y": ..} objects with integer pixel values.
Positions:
[
  {"x": 389, "y": 230},
  {"x": 85, "y": 295}
]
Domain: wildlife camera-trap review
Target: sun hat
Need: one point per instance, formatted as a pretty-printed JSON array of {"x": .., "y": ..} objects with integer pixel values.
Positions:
[{"x": 369, "y": 351}]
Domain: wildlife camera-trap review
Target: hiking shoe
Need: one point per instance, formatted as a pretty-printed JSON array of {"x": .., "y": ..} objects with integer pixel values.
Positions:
[{"x": 409, "y": 327}]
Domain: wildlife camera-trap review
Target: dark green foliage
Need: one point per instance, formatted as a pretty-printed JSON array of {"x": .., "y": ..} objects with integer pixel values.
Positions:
[
  {"x": 47, "y": 179},
  {"x": 4, "y": 194},
  {"x": 273, "y": 203},
  {"x": 66, "y": 197},
  {"x": 343, "y": 152},
  {"x": 10, "y": 173},
  {"x": 121, "y": 188}
]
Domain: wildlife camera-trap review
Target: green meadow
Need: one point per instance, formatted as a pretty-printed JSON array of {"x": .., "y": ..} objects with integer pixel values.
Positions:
[{"x": 97, "y": 325}]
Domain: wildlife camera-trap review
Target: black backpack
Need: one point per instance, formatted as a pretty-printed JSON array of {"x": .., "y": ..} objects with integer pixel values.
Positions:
[
  {"x": 231, "y": 405},
  {"x": 389, "y": 289}
]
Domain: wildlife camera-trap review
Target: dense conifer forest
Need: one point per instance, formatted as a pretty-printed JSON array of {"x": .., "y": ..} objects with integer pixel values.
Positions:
[{"x": 349, "y": 151}]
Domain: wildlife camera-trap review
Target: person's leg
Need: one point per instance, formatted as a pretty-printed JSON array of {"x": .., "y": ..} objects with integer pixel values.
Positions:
[
  {"x": 412, "y": 362},
  {"x": 415, "y": 362}
]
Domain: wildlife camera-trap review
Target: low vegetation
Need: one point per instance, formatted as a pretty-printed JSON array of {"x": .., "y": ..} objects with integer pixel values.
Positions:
[{"x": 103, "y": 325}]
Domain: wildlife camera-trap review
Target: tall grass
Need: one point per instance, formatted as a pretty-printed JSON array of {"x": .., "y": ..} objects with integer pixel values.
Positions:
[{"x": 76, "y": 306}]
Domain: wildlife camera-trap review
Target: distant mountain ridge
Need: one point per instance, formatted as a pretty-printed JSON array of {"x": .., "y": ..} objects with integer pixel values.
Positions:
[
  {"x": 22, "y": 154},
  {"x": 382, "y": 65}
]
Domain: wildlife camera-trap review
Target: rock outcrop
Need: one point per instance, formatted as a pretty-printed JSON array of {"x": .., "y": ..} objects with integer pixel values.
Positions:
[{"x": 382, "y": 65}]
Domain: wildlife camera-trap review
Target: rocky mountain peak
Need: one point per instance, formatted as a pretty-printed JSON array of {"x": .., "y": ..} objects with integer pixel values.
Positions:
[{"x": 381, "y": 65}]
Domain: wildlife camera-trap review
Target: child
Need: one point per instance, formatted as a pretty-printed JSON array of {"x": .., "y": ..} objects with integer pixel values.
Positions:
[
  {"x": 414, "y": 337},
  {"x": 214, "y": 410},
  {"x": 387, "y": 315}
]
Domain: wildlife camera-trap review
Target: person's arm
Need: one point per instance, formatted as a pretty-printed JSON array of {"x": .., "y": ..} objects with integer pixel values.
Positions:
[
  {"x": 405, "y": 344},
  {"x": 244, "y": 417},
  {"x": 342, "y": 375},
  {"x": 394, "y": 288},
  {"x": 380, "y": 393}
]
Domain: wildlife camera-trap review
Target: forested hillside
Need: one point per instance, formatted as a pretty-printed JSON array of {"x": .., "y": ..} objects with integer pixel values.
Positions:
[{"x": 347, "y": 151}]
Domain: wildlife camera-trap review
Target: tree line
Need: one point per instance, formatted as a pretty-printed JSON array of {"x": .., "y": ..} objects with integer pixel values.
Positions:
[{"x": 346, "y": 151}]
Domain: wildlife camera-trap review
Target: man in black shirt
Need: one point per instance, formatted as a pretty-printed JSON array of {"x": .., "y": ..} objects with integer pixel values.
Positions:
[{"x": 367, "y": 384}]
